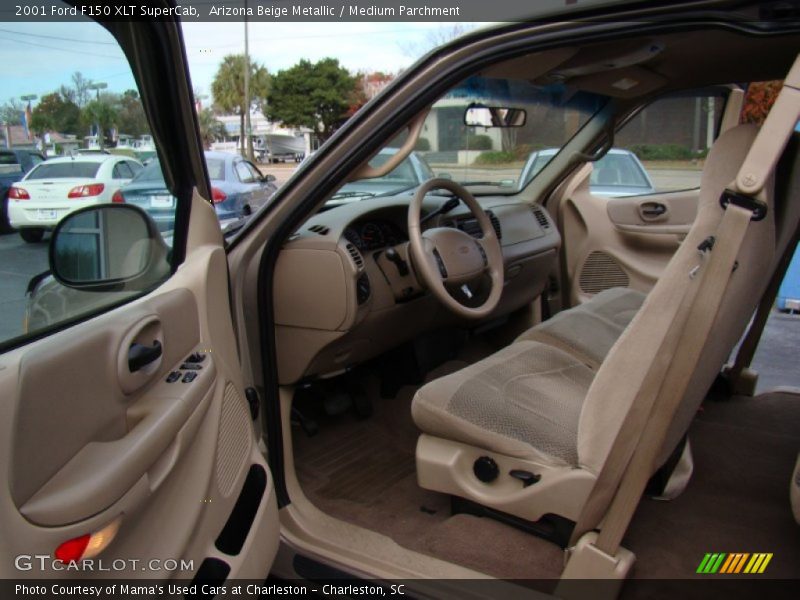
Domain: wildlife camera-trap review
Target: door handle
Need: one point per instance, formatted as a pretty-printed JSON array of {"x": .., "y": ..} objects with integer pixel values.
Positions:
[
  {"x": 139, "y": 355},
  {"x": 652, "y": 210}
]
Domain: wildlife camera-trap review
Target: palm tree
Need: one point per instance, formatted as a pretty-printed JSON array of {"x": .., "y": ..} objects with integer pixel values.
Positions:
[
  {"x": 228, "y": 88},
  {"x": 211, "y": 128}
]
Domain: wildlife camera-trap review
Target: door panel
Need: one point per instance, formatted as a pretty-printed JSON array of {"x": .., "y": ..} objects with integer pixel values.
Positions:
[
  {"x": 611, "y": 242},
  {"x": 90, "y": 443}
]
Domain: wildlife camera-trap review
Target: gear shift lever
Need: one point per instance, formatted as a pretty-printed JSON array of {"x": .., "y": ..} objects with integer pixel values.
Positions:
[{"x": 394, "y": 256}]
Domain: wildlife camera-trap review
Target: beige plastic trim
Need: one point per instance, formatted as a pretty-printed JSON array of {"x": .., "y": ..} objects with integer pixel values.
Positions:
[
  {"x": 628, "y": 214},
  {"x": 446, "y": 466},
  {"x": 586, "y": 563},
  {"x": 773, "y": 137},
  {"x": 365, "y": 171},
  {"x": 733, "y": 110}
]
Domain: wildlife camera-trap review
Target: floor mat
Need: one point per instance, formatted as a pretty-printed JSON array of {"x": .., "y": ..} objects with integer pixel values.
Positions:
[{"x": 363, "y": 472}]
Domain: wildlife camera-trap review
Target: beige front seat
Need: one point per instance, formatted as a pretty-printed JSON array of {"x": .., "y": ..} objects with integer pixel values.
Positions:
[
  {"x": 589, "y": 330},
  {"x": 533, "y": 408}
]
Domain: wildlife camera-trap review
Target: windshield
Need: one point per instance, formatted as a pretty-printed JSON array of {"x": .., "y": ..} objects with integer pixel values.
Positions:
[
  {"x": 64, "y": 170},
  {"x": 486, "y": 155}
]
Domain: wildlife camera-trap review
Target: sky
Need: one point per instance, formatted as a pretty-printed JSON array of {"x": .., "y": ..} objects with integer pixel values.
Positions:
[{"x": 39, "y": 57}]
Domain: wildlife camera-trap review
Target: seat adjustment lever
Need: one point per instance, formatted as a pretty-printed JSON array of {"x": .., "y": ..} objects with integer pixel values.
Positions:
[{"x": 526, "y": 477}]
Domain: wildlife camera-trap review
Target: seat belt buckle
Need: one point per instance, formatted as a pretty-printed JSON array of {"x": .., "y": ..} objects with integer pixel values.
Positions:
[{"x": 755, "y": 206}]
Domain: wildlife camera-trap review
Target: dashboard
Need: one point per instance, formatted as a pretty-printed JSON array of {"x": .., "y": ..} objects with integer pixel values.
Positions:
[
  {"x": 345, "y": 288},
  {"x": 374, "y": 234}
]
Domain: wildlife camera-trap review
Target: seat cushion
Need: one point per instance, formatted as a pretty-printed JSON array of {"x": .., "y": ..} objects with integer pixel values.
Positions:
[
  {"x": 523, "y": 401},
  {"x": 589, "y": 330}
]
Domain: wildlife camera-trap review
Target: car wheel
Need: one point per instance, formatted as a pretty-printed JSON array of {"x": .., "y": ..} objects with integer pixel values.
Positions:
[{"x": 31, "y": 235}]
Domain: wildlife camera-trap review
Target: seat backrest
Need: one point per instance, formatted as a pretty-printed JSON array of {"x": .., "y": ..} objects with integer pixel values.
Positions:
[{"x": 601, "y": 417}]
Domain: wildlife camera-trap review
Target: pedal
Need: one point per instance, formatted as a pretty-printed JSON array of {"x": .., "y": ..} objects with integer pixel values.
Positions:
[{"x": 309, "y": 426}]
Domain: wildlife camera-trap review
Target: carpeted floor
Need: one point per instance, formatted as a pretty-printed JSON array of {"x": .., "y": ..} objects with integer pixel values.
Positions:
[{"x": 362, "y": 471}]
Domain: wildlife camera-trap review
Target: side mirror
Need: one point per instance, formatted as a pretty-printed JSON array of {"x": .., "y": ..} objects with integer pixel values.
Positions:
[
  {"x": 268, "y": 178},
  {"x": 478, "y": 115},
  {"x": 444, "y": 176},
  {"x": 108, "y": 247}
]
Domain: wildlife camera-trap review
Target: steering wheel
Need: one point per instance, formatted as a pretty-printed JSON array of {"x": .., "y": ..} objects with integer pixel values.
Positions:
[{"x": 448, "y": 256}]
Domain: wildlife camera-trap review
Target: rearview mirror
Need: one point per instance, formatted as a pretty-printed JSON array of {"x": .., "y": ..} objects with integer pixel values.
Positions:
[
  {"x": 494, "y": 116},
  {"x": 108, "y": 248}
]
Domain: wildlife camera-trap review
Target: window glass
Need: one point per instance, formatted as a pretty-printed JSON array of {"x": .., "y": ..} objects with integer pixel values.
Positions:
[
  {"x": 243, "y": 172},
  {"x": 64, "y": 169},
  {"x": 135, "y": 167},
  {"x": 122, "y": 171},
  {"x": 69, "y": 95},
  {"x": 254, "y": 172},
  {"x": 666, "y": 144},
  {"x": 476, "y": 153},
  {"x": 216, "y": 168}
]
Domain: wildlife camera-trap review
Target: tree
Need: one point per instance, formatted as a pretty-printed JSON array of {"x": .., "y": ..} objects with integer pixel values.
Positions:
[
  {"x": 55, "y": 113},
  {"x": 131, "y": 118},
  {"x": 80, "y": 88},
  {"x": 228, "y": 88},
  {"x": 211, "y": 128},
  {"x": 11, "y": 112},
  {"x": 103, "y": 113},
  {"x": 313, "y": 95},
  {"x": 759, "y": 99}
]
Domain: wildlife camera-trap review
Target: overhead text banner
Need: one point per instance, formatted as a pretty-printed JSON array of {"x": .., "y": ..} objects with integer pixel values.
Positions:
[{"x": 288, "y": 10}]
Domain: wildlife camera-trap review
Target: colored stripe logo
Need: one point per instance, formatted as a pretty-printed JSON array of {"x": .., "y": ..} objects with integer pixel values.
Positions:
[{"x": 734, "y": 563}]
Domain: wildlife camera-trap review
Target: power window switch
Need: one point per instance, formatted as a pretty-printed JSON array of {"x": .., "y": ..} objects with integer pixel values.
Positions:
[
  {"x": 191, "y": 366},
  {"x": 195, "y": 357},
  {"x": 189, "y": 377},
  {"x": 173, "y": 377}
]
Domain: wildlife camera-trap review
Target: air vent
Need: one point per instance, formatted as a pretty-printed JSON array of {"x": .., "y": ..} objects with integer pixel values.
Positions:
[
  {"x": 541, "y": 217},
  {"x": 601, "y": 272},
  {"x": 320, "y": 229},
  {"x": 356, "y": 255},
  {"x": 496, "y": 224}
]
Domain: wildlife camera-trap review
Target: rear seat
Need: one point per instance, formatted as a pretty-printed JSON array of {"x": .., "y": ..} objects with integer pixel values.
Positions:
[{"x": 588, "y": 331}]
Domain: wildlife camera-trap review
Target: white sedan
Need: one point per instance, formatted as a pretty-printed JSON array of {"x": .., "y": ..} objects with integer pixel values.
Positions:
[{"x": 59, "y": 186}]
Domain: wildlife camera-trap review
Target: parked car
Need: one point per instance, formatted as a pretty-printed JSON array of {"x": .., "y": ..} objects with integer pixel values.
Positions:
[
  {"x": 59, "y": 186},
  {"x": 407, "y": 175},
  {"x": 238, "y": 189},
  {"x": 13, "y": 166},
  {"x": 618, "y": 173}
]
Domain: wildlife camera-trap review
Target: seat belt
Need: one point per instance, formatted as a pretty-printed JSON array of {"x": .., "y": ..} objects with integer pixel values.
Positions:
[{"x": 629, "y": 464}]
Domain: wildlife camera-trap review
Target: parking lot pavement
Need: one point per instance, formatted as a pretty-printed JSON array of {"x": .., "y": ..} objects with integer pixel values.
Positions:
[
  {"x": 776, "y": 359},
  {"x": 20, "y": 261}
]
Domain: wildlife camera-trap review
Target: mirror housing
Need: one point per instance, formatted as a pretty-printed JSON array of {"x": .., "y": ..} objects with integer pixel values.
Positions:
[
  {"x": 478, "y": 115},
  {"x": 108, "y": 247},
  {"x": 268, "y": 178}
]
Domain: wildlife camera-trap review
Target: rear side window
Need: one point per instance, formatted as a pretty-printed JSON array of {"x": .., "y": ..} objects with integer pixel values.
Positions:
[
  {"x": 243, "y": 173},
  {"x": 216, "y": 168},
  {"x": 9, "y": 163},
  {"x": 122, "y": 171},
  {"x": 64, "y": 170}
]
